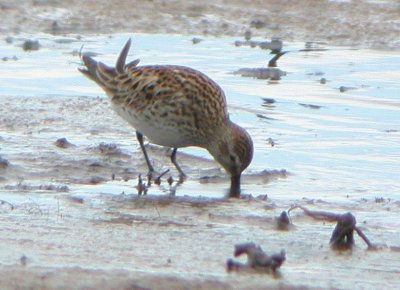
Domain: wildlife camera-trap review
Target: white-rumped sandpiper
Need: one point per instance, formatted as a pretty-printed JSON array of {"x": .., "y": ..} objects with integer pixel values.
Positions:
[{"x": 174, "y": 106}]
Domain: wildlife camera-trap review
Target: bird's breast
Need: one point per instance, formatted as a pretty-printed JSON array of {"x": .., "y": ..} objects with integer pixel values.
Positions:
[{"x": 167, "y": 132}]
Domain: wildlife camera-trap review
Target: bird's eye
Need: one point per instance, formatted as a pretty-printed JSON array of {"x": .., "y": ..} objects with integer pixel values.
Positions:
[{"x": 232, "y": 158}]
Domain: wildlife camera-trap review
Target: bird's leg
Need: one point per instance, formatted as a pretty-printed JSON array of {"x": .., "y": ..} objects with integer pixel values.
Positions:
[
  {"x": 182, "y": 175},
  {"x": 139, "y": 137}
]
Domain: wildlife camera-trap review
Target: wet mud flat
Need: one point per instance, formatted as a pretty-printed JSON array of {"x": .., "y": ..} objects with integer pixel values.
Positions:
[
  {"x": 103, "y": 241},
  {"x": 69, "y": 170},
  {"x": 363, "y": 23}
]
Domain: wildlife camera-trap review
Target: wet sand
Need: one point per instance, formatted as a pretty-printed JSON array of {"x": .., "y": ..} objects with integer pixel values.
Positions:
[
  {"x": 61, "y": 228},
  {"x": 360, "y": 23},
  {"x": 73, "y": 218}
]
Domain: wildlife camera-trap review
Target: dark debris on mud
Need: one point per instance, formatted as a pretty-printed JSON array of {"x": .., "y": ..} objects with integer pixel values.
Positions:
[
  {"x": 342, "y": 237},
  {"x": 283, "y": 222},
  {"x": 257, "y": 259},
  {"x": 30, "y": 45},
  {"x": 63, "y": 143},
  {"x": 109, "y": 149},
  {"x": 29, "y": 187},
  {"x": 4, "y": 163}
]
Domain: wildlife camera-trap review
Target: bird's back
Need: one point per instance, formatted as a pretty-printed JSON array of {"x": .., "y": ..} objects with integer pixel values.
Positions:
[{"x": 177, "y": 102}]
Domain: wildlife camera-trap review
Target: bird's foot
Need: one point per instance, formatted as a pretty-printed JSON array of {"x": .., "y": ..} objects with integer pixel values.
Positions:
[{"x": 157, "y": 179}]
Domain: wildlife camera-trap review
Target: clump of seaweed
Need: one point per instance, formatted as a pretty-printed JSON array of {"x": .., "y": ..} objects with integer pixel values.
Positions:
[
  {"x": 342, "y": 237},
  {"x": 257, "y": 259}
]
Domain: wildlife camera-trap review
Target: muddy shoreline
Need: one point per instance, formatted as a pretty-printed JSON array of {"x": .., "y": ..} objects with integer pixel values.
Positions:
[
  {"x": 70, "y": 216},
  {"x": 361, "y": 23},
  {"x": 72, "y": 212}
]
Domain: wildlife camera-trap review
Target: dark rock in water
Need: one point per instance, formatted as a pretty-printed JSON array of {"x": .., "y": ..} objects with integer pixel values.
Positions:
[
  {"x": 310, "y": 106},
  {"x": 268, "y": 100},
  {"x": 31, "y": 45},
  {"x": 343, "y": 89},
  {"x": 196, "y": 40}
]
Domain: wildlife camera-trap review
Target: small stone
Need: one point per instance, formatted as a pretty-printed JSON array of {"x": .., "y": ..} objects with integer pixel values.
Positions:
[
  {"x": 31, "y": 45},
  {"x": 63, "y": 143},
  {"x": 196, "y": 40}
]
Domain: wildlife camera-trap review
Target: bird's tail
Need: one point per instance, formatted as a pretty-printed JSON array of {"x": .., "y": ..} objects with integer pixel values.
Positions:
[{"x": 107, "y": 77}]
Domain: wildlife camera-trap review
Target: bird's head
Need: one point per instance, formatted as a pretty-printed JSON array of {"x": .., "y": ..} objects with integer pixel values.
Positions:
[{"x": 234, "y": 151}]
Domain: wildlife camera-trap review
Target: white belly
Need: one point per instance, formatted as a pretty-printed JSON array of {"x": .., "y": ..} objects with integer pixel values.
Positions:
[{"x": 157, "y": 132}]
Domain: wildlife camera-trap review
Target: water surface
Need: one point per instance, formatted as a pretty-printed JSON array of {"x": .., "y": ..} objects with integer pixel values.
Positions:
[
  {"x": 328, "y": 144},
  {"x": 336, "y": 139}
]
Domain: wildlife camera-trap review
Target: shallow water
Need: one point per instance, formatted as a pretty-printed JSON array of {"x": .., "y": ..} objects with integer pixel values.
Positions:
[
  {"x": 344, "y": 144},
  {"x": 335, "y": 148}
]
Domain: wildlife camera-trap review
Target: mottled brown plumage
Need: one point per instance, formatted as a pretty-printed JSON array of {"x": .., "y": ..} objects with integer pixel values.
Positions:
[{"x": 174, "y": 106}]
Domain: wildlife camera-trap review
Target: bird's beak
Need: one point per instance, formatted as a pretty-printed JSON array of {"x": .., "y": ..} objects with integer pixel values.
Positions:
[{"x": 235, "y": 186}]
